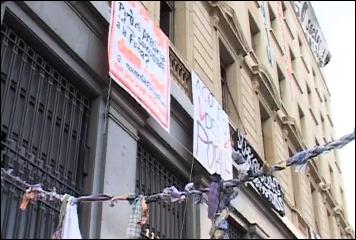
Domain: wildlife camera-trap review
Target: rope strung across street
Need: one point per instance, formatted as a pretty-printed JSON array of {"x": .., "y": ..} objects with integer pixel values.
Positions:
[{"x": 172, "y": 194}]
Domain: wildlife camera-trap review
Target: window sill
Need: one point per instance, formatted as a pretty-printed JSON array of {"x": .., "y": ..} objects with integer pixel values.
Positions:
[
  {"x": 319, "y": 95},
  {"x": 258, "y": 4},
  {"x": 297, "y": 83},
  {"x": 289, "y": 28},
  {"x": 274, "y": 36},
  {"x": 305, "y": 64},
  {"x": 314, "y": 117},
  {"x": 331, "y": 122}
]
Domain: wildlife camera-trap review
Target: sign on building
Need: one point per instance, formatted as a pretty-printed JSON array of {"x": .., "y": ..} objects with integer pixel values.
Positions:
[
  {"x": 267, "y": 186},
  {"x": 287, "y": 57},
  {"x": 139, "y": 58},
  {"x": 212, "y": 145},
  {"x": 267, "y": 24},
  {"x": 312, "y": 31}
]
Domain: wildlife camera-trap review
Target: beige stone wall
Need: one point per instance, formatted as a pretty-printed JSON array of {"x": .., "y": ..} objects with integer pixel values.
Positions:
[{"x": 303, "y": 92}]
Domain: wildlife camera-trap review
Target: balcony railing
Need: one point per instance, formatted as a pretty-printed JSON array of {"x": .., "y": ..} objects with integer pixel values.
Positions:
[{"x": 180, "y": 72}]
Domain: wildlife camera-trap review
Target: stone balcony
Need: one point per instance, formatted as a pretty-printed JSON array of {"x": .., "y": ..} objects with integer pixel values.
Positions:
[{"x": 180, "y": 71}]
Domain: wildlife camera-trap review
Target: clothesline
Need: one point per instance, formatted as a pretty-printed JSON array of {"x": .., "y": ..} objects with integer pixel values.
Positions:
[
  {"x": 220, "y": 194},
  {"x": 168, "y": 192},
  {"x": 299, "y": 159}
]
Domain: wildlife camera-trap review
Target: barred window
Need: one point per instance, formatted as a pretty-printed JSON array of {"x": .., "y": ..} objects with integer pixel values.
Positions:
[{"x": 165, "y": 220}]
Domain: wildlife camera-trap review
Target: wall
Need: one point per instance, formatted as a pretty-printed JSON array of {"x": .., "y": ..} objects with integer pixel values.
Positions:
[{"x": 79, "y": 42}]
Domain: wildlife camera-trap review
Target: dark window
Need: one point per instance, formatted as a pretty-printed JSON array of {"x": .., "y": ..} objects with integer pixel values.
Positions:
[
  {"x": 266, "y": 127},
  {"x": 228, "y": 78},
  {"x": 302, "y": 121},
  {"x": 43, "y": 135},
  {"x": 282, "y": 85},
  {"x": 235, "y": 231},
  {"x": 165, "y": 220},
  {"x": 315, "y": 208},
  {"x": 292, "y": 57},
  {"x": 293, "y": 61},
  {"x": 254, "y": 30},
  {"x": 166, "y": 22},
  {"x": 224, "y": 89}
]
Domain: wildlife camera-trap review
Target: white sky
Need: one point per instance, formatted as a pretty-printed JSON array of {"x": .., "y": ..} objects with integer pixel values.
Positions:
[{"x": 337, "y": 21}]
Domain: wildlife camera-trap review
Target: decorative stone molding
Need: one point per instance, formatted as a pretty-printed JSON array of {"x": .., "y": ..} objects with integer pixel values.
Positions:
[
  {"x": 308, "y": 172},
  {"x": 274, "y": 115},
  {"x": 214, "y": 3},
  {"x": 288, "y": 120},
  {"x": 215, "y": 21},
  {"x": 294, "y": 136},
  {"x": 267, "y": 88},
  {"x": 285, "y": 133},
  {"x": 229, "y": 24},
  {"x": 338, "y": 210},
  {"x": 324, "y": 187},
  {"x": 324, "y": 199},
  {"x": 180, "y": 72},
  {"x": 349, "y": 230},
  {"x": 255, "y": 85}
]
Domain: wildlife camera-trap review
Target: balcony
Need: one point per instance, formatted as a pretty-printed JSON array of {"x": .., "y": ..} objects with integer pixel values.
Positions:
[
  {"x": 297, "y": 83},
  {"x": 276, "y": 41},
  {"x": 265, "y": 85},
  {"x": 180, "y": 72}
]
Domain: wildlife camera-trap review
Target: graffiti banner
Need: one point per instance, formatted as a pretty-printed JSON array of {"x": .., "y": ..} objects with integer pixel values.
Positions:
[
  {"x": 139, "y": 58},
  {"x": 312, "y": 31},
  {"x": 267, "y": 186},
  {"x": 212, "y": 145}
]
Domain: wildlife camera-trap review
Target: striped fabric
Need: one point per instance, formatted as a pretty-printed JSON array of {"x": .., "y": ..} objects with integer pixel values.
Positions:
[{"x": 134, "y": 227}]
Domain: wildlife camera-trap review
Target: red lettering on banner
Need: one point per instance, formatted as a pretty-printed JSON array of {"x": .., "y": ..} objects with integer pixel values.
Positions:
[
  {"x": 132, "y": 3},
  {"x": 157, "y": 84},
  {"x": 129, "y": 54},
  {"x": 202, "y": 114},
  {"x": 128, "y": 82},
  {"x": 147, "y": 83}
]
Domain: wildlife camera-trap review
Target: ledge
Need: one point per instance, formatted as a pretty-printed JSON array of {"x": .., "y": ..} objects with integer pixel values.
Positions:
[
  {"x": 229, "y": 24},
  {"x": 319, "y": 95},
  {"x": 329, "y": 118},
  {"x": 289, "y": 28},
  {"x": 324, "y": 187},
  {"x": 266, "y": 87},
  {"x": 294, "y": 135},
  {"x": 274, "y": 36},
  {"x": 180, "y": 71},
  {"x": 297, "y": 83},
  {"x": 313, "y": 116},
  {"x": 304, "y": 63}
]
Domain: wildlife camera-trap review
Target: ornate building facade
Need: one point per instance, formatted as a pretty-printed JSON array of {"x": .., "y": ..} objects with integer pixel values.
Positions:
[{"x": 253, "y": 56}]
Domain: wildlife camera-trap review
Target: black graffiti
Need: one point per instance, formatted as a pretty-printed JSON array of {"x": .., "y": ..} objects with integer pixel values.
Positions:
[
  {"x": 312, "y": 31},
  {"x": 267, "y": 186},
  {"x": 267, "y": 192}
]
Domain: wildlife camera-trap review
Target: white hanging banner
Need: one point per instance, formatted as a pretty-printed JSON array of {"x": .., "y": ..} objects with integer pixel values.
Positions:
[
  {"x": 312, "y": 31},
  {"x": 212, "y": 144},
  {"x": 267, "y": 24},
  {"x": 139, "y": 58}
]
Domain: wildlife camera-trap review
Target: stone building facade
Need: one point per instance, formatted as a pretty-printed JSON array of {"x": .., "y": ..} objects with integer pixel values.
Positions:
[{"x": 254, "y": 58}]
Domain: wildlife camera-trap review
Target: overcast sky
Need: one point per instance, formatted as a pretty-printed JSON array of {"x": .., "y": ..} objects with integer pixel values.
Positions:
[{"x": 337, "y": 21}]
